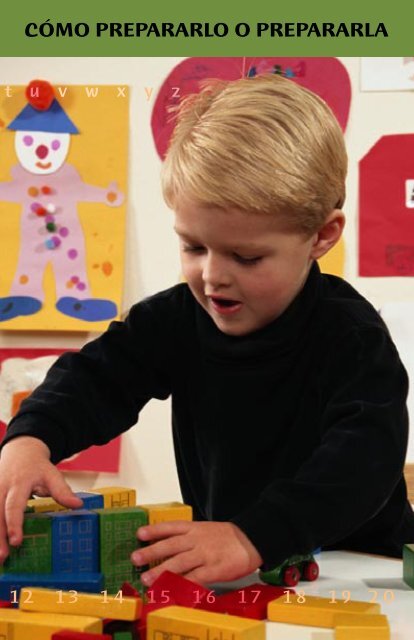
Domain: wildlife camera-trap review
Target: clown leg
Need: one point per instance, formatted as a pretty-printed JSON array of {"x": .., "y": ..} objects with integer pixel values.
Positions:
[
  {"x": 26, "y": 293},
  {"x": 74, "y": 297}
]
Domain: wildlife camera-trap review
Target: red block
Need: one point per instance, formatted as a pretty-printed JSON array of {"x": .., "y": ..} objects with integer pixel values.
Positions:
[
  {"x": 130, "y": 591},
  {"x": 248, "y": 602},
  {"x": 171, "y": 588},
  {"x": 146, "y": 609},
  {"x": 69, "y": 634},
  {"x": 5, "y": 604}
]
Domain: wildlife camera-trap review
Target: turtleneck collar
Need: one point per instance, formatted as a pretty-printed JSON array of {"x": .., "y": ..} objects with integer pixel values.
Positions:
[{"x": 274, "y": 340}]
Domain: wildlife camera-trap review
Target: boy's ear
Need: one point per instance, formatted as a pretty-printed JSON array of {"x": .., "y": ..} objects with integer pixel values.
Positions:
[{"x": 329, "y": 234}]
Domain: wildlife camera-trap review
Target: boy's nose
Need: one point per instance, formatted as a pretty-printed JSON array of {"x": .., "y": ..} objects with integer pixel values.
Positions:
[
  {"x": 42, "y": 151},
  {"x": 215, "y": 272}
]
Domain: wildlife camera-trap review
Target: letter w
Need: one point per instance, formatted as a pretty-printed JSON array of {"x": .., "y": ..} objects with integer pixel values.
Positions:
[{"x": 92, "y": 91}]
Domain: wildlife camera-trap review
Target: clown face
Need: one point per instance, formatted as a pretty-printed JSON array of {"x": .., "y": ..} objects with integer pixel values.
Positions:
[{"x": 40, "y": 152}]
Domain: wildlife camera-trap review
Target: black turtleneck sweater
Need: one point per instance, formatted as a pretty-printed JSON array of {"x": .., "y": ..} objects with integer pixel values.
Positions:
[{"x": 296, "y": 432}]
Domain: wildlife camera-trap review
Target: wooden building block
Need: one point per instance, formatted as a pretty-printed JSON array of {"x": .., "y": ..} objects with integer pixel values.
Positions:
[
  {"x": 201, "y": 625},
  {"x": 75, "y": 541},
  {"x": 35, "y": 553},
  {"x": 41, "y": 626},
  {"x": 80, "y": 604},
  {"x": 408, "y": 564},
  {"x": 116, "y": 496},
  {"x": 171, "y": 588},
  {"x": 167, "y": 511},
  {"x": 316, "y": 611},
  {"x": 118, "y": 539},
  {"x": 361, "y": 627},
  {"x": 69, "y": 634},
  {"x": 43, "y": 505},
  {"x": 13, "y": 582},
  {"x": 248, "y": 602}
]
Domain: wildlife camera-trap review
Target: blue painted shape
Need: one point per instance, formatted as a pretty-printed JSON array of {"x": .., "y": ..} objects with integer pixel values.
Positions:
[
  {"x": 52, "y": 120},
  {"x": 87, "y": 582},
  {"x": 75, "y": 541},
  {"x": 14, "y": 306},
  {"x": 91, "y": 500},
  {"x": 91, "y": 309}
]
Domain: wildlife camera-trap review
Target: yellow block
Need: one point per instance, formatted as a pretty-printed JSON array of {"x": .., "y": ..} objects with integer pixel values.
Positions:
[
  {"x": 316, "y": 611},
  {"x": 80, "y": 604},
  {"x": 40, "y": 626},
  {"x": 117, "y": 496},
  {"x": 184, "y": 622},
  {"x": 40, "y": 505},
  {"x": 167, "y": 511},
  {"x": 360, "y": 627}
]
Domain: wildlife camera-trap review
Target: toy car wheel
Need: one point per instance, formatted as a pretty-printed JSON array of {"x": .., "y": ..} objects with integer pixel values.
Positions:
[
  {"x": 291, "y": 576},
  {"x": 310, "y": 571}
]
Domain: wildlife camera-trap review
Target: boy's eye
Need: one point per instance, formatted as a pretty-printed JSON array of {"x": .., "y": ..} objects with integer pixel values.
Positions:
[
  {"x": 244, "y": 260},
  {"x": 191, "y": 249}
]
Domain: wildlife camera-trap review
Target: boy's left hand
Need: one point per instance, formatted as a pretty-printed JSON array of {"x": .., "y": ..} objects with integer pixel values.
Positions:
[{"x": 205, "y": 552}]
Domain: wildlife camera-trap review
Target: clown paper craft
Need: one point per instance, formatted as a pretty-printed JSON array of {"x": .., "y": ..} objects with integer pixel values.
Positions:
[{"x": 61, "y": 257}]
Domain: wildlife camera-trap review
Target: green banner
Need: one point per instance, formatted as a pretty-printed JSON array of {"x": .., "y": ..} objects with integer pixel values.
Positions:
[{"x": 212, "y": 28}]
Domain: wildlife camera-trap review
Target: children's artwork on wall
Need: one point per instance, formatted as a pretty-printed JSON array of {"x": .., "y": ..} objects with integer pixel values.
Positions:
[
  {"x": 387, "y": 74},
  {"x": 399, "y": 318},
  {"x": 386, "y": 208},
  {"x": 63, "y": 167},
  {"x": 21, "y": 370},
  {"x": 326, "y": 76}
]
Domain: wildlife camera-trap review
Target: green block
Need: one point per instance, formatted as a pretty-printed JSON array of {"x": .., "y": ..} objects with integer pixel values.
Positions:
[
  {"x": 118, "y": 539},
  {"x": 408, "y": 564},
  {"x": 122, "y": 635},
  {"x": 35, "y": 553}
]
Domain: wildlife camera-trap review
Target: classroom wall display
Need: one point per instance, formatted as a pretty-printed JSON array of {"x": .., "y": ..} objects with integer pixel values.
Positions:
[
  {"x": 63, "y": 161},
  {"x": 387, "y": 74},
  {"x": 325, "y": 76},
  {"x": 386, "y": 208},
  {"x": 21, "y": 370}
]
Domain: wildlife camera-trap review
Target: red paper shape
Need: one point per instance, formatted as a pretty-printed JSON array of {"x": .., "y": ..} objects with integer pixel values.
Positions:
[
  {"x": 325, "y": 76},
  {"x": 386, "y": 223},
  {"x": 104, "y": 458},
  {"x": 247, "y": 602},
  {"x": 171, "y": 588}
]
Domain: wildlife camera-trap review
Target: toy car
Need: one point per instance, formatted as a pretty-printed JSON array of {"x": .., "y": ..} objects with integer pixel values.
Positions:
[{"x": 292, "y": 570}]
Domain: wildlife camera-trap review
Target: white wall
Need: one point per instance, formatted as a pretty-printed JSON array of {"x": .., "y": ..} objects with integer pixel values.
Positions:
[{"x": 151, "y": 255}]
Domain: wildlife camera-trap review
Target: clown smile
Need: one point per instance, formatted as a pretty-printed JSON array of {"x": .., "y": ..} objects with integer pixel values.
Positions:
[{"x": 42, "y": 165}]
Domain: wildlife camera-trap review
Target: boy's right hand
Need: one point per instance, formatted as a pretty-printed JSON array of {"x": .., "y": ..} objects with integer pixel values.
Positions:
[{"x": 25, "y": 468}]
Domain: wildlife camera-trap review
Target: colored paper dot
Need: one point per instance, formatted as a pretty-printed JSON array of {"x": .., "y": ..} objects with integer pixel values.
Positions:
[
  {"x": 111, "y": 196},
  {"x": 51, "y": 226},
  {"x": 56, "y": 241},
  {"x": 55, "y": 145},
  {"x": 69, "y": 284},
  {"x": 50, "y": 218},
  {"x": 46, "y": 190},
  {"x": 64, "y": 232},
  {"x": 40, "y": 211},
  {"x": 75, "y": 279},
  {"x": 33, "y": 191},
  {"x": 28, "y": 141},
  {"x": 49, "y": 243},
  {"x": 35, "y": 206},
  {"x": 107, "y": 268},
  {"x": 51, "y": 207},
  {"x": 81, "y": 286},
  {"x": 24, "y": 279},
  {"x": 72, "y": 254}
]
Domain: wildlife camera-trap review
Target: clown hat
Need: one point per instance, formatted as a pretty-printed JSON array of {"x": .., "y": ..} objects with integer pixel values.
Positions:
[{"x": 43, "y": 113}]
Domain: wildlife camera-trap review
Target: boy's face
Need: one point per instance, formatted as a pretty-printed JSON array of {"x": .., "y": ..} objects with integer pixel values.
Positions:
[{"x": 242, "y": 268}]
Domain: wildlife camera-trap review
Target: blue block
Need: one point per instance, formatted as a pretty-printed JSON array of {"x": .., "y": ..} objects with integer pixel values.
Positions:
[
  {"x": 91, "y": 500},
  {"x": 75, "y": 541},
  {"x": 87, "y": 582}
]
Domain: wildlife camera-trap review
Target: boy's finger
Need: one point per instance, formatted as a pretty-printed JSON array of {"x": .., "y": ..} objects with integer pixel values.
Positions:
[
  {"x": 164, "y": 529},
  {"x": 61, "y": 491},
  {"x": 181, "y": 563},
  {"x": 161, "y": 550},
  {"x": 14, "y": 508},
  {"x": 4, "y": 547}
]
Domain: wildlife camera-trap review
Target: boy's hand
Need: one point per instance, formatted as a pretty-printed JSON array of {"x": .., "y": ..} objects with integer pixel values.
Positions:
[
  {"x": 25, "y": 469},
  {"x": 205, "y": 552}
]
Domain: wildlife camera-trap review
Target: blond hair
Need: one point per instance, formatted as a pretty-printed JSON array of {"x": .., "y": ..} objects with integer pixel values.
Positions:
[{"x": 261, "y": 145}]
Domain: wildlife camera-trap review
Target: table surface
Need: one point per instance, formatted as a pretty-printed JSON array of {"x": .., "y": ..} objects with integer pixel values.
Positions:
[{"x": 358, "y": 576}]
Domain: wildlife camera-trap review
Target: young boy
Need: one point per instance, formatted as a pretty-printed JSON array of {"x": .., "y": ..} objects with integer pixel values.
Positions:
[{"x": 288, "y": 395}]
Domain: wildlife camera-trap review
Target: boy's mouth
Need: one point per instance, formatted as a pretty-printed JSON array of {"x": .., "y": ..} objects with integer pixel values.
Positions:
[{"x": 225, "y": 305}]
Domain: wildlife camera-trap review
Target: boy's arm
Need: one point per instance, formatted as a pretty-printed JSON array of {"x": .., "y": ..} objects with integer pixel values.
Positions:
[{"x": 357, "y": 465}]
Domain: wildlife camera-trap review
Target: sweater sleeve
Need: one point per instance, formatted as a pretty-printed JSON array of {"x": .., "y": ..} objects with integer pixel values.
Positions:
[
  {"x": 358, "y": 462},
  {"x": 91, "y": 396}
]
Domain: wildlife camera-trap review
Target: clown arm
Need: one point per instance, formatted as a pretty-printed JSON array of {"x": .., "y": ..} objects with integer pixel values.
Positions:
[
  {"x": 11, "y": 191},
  {"x": 110, "y": 196}
]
